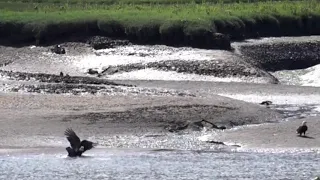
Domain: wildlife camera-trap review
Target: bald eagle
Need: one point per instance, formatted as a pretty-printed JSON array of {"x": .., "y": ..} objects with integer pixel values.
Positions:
[
  {"x": 77, "y": 147},
  {"x": 302, "y": 129}
]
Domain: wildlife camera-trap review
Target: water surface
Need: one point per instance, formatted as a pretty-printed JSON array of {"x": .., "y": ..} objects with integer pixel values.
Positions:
[{"x": 143, "y": 164}]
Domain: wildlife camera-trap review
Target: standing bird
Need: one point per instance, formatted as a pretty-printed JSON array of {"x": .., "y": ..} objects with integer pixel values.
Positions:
[
  {"x": 302, "y": 129},
  {"x": 77, "y": 147}
]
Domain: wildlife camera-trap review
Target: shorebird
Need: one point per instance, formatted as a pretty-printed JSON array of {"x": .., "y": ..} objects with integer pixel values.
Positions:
[
  {"x": 267, "y": 103},
  {"x": 77, "y": 147},
  {"x": 302, "y": 129}
]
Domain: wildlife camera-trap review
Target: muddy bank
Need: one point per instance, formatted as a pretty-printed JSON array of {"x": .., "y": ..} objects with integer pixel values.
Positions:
[
  {"x": 49, "y": 115},
  {"x": 217, "y": 68},
  {"x": 173, "y": 33},
  {"x": 44, "y": 66},
  {"x": 273, "y": 54},
  {"x": 274, "y": 135},
  {"x": 52, "y": 78}
]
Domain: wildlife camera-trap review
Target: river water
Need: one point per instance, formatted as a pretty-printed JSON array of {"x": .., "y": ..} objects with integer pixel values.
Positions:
[
  {"x": 172, "y": 156},
  {"x": 143, "y": 164}
]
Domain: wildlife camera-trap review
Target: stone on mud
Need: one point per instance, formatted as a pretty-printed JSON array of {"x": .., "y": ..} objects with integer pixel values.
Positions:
[
  {"x": 222, "y": 41},
  {"x": 58, "y": 49},
  {"x": 92, "y": 71},
  {"x": 100, "y": 42}
]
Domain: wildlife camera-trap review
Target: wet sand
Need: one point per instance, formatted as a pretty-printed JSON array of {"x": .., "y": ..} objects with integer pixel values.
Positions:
[
  {"x": 36, "y": 120},
  {"x": 275, "y": 135},
  {"x": 40, "y": 116}
]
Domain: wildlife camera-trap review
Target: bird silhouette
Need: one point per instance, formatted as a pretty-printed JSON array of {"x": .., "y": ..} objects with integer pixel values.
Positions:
[
  {"x": 302, "y": 129},
  {"x": 77, "y": 147}
]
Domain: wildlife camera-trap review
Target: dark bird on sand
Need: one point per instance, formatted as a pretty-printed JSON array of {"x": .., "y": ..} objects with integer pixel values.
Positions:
[
  {"x": 266, "y": 103},
  {"x": 77, "y": 147},
  {"x": 302, "y": 129}
]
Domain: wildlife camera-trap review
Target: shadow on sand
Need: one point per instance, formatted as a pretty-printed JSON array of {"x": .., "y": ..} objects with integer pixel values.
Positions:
[{"x": 307, "y": 137}]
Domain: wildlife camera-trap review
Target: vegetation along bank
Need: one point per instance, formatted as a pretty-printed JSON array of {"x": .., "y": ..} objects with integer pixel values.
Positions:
[{"x": 207, "y": 24}]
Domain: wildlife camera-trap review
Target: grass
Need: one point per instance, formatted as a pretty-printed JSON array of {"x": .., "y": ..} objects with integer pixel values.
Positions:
[
  {"x": 111, "y": 2},
  {"x": 202, "y": 13},
  {"x": 153, "y": 17}
]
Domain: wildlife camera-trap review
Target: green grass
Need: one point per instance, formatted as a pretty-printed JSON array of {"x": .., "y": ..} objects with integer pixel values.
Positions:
[
  {"x": 202, "y": 13},
  {"x": 144, "y": 20},
  {"x": 22, "y": 3}
]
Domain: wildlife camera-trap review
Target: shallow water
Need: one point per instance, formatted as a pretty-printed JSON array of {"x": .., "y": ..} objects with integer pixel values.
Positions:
[{"x": 133, "y": 164}]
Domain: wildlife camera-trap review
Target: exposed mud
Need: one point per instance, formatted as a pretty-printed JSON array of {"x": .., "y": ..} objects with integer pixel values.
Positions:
[
  {"x": 110, "y": 107},
  {"x": 280, "y": 54},
  {"x": 217, "y": 68},
  {"x": 274, "y": 135}
]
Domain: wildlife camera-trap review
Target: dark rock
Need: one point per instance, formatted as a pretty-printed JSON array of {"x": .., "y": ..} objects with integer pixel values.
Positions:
[
  {"x": 100, "y": 42},
  {"x": 58, "y": 49},
  {"x": 235, "y": 145},
  {"x": 213, "y": 126},
  {"x": 199, "y": 125},
  {"x": 177, "y": 126},
  {"x": 222, "y": 41},
  {"x": 216, "y": 142},
  {"x": 110, "y": 70},
  {"x": 266, "y": 103},
  {"x": 92, "y": 71}
]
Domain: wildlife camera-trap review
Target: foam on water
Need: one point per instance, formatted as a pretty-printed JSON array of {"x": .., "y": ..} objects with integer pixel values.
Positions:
[
  {"x": 312, "y": 77},
  {"x": 303, "y": 77}
]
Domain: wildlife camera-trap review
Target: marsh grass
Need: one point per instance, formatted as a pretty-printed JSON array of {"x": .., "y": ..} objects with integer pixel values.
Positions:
[
  {"x": 127, "y": 2},
  {"x": 156, "y": 21}
]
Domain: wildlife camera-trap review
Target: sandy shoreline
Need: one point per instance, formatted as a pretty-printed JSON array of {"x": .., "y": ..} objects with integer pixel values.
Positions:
[
  {"x": 40, "y": 119},
  {"x": 274, "y": 135},
  {"x": 48, "y": 115},
  {"x": 35, "y": 119}
]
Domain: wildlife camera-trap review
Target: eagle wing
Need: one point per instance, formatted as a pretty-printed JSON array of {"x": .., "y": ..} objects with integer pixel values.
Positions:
[
  {"x": 299, "y": 129},
  {"x": 302, "y": 129},
  {"x": 72, "y": 138},
  {"x": 87, "y": 145}
]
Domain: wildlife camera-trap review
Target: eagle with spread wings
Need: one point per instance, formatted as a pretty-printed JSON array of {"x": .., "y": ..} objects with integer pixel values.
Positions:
[{"x": 77, "y": 147}]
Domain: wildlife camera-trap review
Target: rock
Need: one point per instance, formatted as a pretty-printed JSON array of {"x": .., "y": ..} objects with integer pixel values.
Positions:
[
  {"x": 92, "y": 71},
  {"x": 110, "y": 70},
  {"x": 100, "y": 42},
  {"x": 266, "y": 103},
  {"x": 222, "y": 41},
  {"x": 216, "y": 142},
  {"x": 177, "y": 126},
  {"x": 58, "y": 49},
  {"x": 213, "y": 126},
  {"x": 199, "y": 125}
]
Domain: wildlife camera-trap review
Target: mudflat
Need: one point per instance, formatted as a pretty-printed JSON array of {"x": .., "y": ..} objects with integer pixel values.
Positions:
[
  {"x": 275, "y": 135},
  {"x": 29, "y": 119}
]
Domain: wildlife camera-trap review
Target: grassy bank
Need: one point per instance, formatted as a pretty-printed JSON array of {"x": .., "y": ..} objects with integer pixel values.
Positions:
[{"x": 189, "y": 24}]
